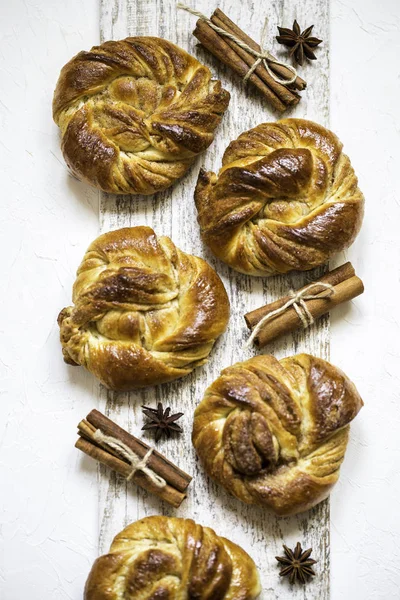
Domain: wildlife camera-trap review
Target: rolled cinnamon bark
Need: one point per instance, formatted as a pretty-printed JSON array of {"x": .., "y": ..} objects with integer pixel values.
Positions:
[
  {"x": 283, "y": 93},
  {"x": 333, "y": 277},
  {"x": 280, "y": 70},
  {"x": 346, "y": 287},
  {"x": 157, "y": 462},
  {"x": 167, "y": 493},
  {"x": 219, "y": 48}
]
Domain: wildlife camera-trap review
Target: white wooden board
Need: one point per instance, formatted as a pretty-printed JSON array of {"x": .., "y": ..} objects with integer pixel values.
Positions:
[{"x": 173, "y": 213}]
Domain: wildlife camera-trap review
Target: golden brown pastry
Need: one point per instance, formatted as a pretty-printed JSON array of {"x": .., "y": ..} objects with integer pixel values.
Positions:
[
  {"x": 144, "y": 312},
  {"x": 274, "y": 433},
  {"x": 286, "y": 198},
  {"x": 163, "y": 558},
  {"x": 134, "y": 114}
]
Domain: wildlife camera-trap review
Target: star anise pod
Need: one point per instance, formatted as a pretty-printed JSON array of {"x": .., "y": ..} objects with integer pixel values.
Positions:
[
  {"x": 300, "y": 42},
  {"x": 297, "y": 565},
  {"x": 161, "y": 421}
]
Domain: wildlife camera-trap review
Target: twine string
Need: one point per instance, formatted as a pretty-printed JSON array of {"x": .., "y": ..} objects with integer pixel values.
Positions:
[
  {"x": 137, "y": 463},
  {"x": 263, "y": 57},
  {"x": 297, "y": 301}
]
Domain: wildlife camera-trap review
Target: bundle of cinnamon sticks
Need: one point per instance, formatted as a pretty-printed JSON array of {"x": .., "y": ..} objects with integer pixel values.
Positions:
[
  {"x": 176, "y": 480},
  {"x": 279, "y": 96},
  {"x": 346, "y": 286}
]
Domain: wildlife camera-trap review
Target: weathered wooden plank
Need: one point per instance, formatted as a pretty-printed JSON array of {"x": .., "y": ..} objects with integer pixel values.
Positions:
[{"x": 173, "y": 213}]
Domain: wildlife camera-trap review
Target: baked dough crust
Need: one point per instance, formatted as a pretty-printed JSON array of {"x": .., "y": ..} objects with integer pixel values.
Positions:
[
  {"x": 171, "y": 559},
  {"x": 286, "y": 198},
  {"x": 144, "y": 312},
  {"x": 135, "y": 113},
  {"x": 274, "y": 433}
]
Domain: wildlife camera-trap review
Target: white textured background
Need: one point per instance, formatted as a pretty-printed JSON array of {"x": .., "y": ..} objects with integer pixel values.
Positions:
[{"x": 48, "y": 518}]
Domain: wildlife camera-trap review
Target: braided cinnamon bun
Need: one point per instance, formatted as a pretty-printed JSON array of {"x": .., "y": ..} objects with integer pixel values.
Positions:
[
  {"x": 163, "y": 558},
  {"x": 274, "y": 433},
  {"x": 135, "y": 113},
  {"x": 285, "y": 198}
]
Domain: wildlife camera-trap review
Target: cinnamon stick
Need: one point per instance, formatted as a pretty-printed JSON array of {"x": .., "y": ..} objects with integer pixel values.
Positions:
[
  {"x": 287, "y": 96},
  {"x": 278, "y": 69},
  {"x": 157, "y": 462},
  {"x": 167, "y": 493},
  {"x": 333, "y": 277},
  {"x": 346, "y": 287},
  {"x": 219, "y": 48}
]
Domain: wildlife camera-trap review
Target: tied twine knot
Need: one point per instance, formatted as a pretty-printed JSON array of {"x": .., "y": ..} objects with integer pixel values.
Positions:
[
  {"x": 297, "y": 301},
  {"x": 263, "y": 57},
  {"x": 137, "y": 463}
]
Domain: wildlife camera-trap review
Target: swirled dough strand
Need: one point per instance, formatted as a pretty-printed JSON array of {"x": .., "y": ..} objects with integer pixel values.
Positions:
[
  {"x": 135, "y": 113},
  {"x": 274, "y": 433},
  {"x": 286, "y": 198},
  {"x": 144, "y": 312},
  {"x": 171, "y": 559}
]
